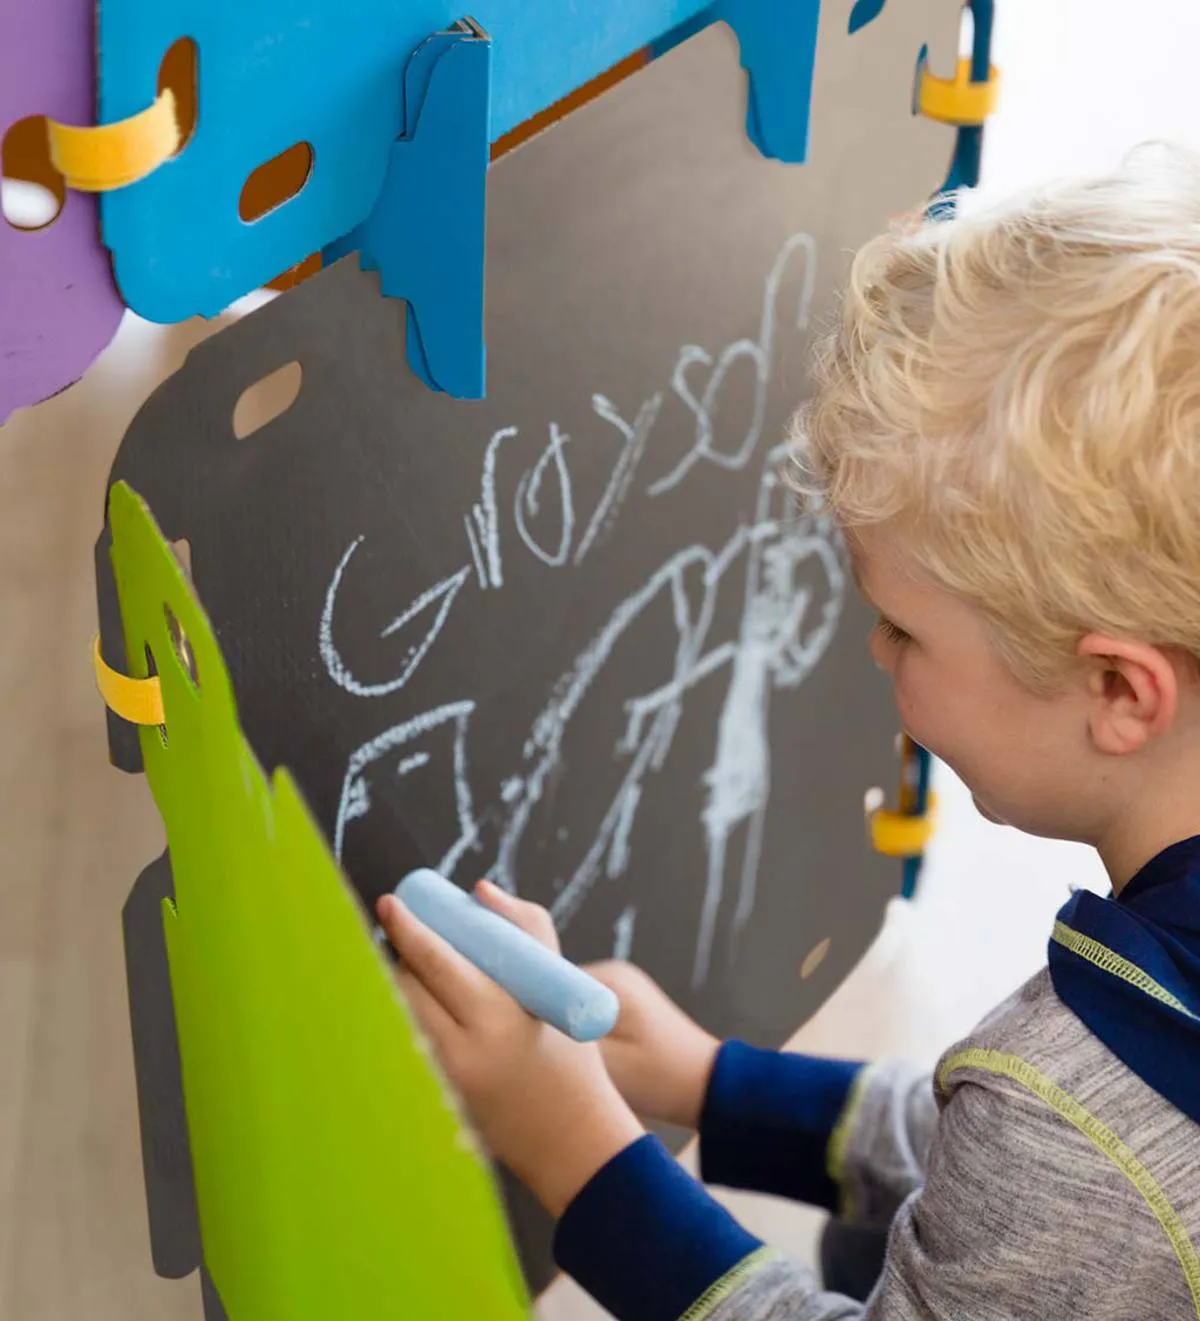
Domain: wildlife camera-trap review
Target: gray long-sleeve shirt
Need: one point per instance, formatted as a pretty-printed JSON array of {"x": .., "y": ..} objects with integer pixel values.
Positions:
[
  {"x": 1050, "y": 1170},
  {"x": 1037, "y": 1178}
]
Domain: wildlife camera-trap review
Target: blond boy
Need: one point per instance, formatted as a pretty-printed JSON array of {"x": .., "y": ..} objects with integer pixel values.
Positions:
[{"x": 1006, "y": 424}]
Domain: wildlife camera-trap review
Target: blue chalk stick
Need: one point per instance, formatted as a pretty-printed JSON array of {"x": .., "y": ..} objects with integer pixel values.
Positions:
[{"x": 543, "y": 983}]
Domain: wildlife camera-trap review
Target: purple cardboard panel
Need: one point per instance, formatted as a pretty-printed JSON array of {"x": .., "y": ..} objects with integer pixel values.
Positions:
[{"x": 58, "y": 305}]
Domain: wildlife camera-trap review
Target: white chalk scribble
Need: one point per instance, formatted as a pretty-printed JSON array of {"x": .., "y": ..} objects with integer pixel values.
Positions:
[
  {"x": 441, "y": 595},
  {"x": 623, "y": 933},
  {"x": 788, "y": 568},
  {"x": 528, "y": 491}
]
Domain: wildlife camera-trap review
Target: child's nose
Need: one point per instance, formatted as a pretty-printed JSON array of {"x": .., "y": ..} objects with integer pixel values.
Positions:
[{"x": 881, "y": 653}]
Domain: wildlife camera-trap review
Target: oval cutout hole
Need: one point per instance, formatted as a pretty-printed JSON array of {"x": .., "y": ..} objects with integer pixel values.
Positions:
[
  {"x": 275, "y": 182},
  {"x": 179, "y": 74},
  {"x": 181, "y": 646},
  {"x": 814, "y": 958},
  {"x": 183, "y": 553},
  {"x": 32, "y": 191},
  {"x": 261, "y": 403},
  {"x": 873, "y": 800}
]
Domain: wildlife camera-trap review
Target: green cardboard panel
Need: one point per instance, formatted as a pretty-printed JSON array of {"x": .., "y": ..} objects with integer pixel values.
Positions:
[{"x": 334, "y": 1177}]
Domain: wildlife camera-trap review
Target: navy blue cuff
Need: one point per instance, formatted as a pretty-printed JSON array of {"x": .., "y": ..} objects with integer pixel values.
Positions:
[
  {"x": 767, "y": 1120},
  {"x": 645, "y": 1239}
]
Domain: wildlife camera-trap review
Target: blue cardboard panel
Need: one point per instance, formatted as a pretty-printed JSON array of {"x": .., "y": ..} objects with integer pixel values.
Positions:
[
  {"x": 327, "y": 72},
  {"x": 331, "y": 73}
]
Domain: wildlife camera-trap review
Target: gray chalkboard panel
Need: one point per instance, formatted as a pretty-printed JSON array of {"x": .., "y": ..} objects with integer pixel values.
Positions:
[{"x": 576, "y": 636}]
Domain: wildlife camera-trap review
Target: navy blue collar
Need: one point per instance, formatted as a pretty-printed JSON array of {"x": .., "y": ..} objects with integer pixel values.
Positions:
[{"x": 1130, "y": 969}]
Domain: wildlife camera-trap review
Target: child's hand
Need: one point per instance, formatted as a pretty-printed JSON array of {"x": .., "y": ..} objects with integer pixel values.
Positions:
[
  {"x": 659, "y": 1058},
  {"x": 542, "y": 1103}
]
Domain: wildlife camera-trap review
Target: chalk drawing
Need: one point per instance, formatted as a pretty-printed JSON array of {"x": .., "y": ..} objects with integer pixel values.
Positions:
[
  {"x": 793, "y": 586},
  {"x": 476, "y": 556},
  {"x": 623, "y": 933},
  {"x": 647, "y": 751},
  {"x": 635, "y": 438},
  {"x": 441, "y": 595},
  {"x": 415, "y": 762},
  {"x": 550, "y": 727},
  {"x": 528, "y": 490},
  {"x": 485, "y": 513},
  {"x": 355, "y": 800},
  {"x": 770, "y": 653},
  {"x": 758, "y": 352}
]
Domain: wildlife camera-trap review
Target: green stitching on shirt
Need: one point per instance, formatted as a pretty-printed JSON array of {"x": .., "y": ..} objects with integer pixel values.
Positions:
[
  {"x": 839, "y": 1141},
  {"x": 711, "y": 1299},
  {"x": 1112, "y": 962},
  {"x": 1099, "y": 1135}
]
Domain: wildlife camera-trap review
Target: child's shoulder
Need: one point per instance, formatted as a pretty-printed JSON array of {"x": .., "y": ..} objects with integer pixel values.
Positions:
[
  {"x": 1037, "y": 1043},
  {"x": 1040, "y": 1082}
]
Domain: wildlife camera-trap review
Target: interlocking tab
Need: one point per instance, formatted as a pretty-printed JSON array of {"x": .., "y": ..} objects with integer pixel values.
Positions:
[{"x": 426, "y": 233}]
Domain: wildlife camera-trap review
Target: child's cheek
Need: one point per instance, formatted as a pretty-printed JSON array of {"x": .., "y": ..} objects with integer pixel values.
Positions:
[{"x": 908, "y": 704}]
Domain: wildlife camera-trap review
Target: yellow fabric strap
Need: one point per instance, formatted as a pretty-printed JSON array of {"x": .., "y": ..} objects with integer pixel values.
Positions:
[
  {"x": 1099, "y": 1135},
  {"x": 958, "y": 100},
  {"x": 100, "y": 157},
  {"x": 900, "y": 835},
  {"x": 137, "y": 700}
]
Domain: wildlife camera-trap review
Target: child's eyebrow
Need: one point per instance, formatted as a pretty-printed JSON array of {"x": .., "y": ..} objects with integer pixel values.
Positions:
[{"x": 865, "y": 592}]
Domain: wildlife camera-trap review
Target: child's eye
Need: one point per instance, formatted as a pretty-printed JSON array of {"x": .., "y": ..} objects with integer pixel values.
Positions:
[{"x": 893, "y": 632}]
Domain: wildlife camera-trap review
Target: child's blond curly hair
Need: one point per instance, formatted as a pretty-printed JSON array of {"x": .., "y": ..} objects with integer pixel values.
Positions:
[{"x": 1018, "y": 390}]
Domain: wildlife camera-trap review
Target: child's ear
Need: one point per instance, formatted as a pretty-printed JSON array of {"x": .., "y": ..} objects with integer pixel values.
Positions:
[{"x": 1133, "y": 692}]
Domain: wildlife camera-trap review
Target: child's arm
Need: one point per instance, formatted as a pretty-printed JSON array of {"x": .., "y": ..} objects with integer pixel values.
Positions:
[
  {"x": 996, "y": 1232},
  {"x": 851, "y": 1138},
  {"x": 1017, "y": 1219},
  {"x": 830, "y": 1133}
]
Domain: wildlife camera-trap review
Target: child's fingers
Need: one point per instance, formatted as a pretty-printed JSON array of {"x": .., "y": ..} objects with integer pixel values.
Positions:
[
  {"x": 632, "y": 987},
  {"x": 455, "y": 982},
  {"x": 533, "y": 919},
  {"x": 616, "y": 974},
  {"x": 435, "y": 1022}
]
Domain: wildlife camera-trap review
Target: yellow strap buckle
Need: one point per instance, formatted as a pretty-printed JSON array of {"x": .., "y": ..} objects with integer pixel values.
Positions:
[
  {"x": 101, "y": 157},
  {"x": 137, "y": 700},
  {"x": 958, "y": 100},
  {"x": 901, "y": 835}
]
